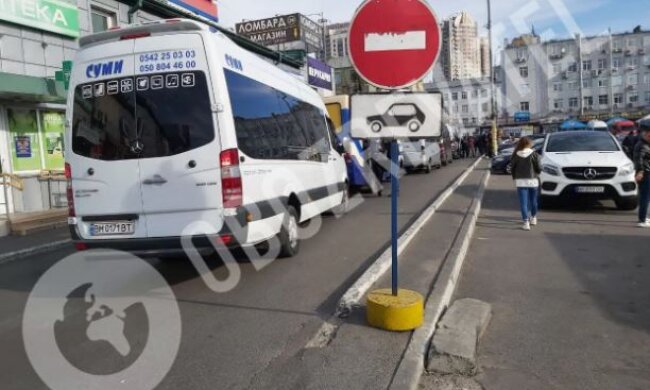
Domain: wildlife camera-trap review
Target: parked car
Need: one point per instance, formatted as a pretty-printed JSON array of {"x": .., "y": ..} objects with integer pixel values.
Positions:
[
  {"x": 420, "y": 154},
  {"x": 399, "y": 114},
  {"x": 587, "y": 165},
  {"x": 501, "y": 163}
]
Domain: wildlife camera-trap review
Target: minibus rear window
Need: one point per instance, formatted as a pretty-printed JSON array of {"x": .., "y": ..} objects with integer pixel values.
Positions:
[{"x": 142, "y": 117}]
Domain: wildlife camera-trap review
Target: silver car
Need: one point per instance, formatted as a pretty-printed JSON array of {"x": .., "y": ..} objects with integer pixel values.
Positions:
[{"x": 420, "y": 154}]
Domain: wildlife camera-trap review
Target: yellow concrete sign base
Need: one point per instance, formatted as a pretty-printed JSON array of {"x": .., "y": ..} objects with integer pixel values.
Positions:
[{"x": 395, "y": 313}]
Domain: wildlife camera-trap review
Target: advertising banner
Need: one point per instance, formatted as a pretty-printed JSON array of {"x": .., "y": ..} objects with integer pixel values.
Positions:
[
  {"x": 319, "y": 74},
  {"x": 271, "y": 31},
  {"x": 204, "y": 8},
  {"x": 312, "y": 33},
  {"x": 49, "y": 15},
  {"x": 25, "y": 146},
  {"x": 53, "y": 125}
]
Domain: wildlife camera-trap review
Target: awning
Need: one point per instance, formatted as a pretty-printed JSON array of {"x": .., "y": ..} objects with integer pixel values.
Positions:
[
  {"x": 572, "y": 125},
  {"x": 19, "y": 88}
]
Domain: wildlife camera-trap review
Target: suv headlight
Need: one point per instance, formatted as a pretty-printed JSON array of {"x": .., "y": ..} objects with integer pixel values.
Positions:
[
  {"x": 627, "y": 170},
  {"x": 551, "y": 170}
]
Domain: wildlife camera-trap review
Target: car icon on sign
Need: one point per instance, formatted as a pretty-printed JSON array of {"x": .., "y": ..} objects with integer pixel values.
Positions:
[{"x": 398, "y": 115}]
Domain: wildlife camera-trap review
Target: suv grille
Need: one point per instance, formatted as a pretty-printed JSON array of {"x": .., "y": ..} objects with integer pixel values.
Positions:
[{"x": 590, "y": 173}]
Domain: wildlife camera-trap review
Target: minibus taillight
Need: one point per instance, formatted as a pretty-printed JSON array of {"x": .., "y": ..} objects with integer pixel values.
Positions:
[
  {"x": 231, "y": 184},
  {"x": 68, "y": 191}
]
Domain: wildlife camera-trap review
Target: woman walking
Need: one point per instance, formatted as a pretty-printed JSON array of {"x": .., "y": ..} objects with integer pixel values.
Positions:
[{"x": 526, "y": 167}]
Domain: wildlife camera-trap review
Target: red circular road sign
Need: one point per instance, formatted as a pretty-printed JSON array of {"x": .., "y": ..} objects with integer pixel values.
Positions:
[{"x": 394, "y": 43}]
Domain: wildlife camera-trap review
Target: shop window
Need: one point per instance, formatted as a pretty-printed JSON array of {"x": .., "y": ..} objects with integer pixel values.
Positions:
[
  {"x": 52, "y": 129},
  {"x": 33, "y": 148}
]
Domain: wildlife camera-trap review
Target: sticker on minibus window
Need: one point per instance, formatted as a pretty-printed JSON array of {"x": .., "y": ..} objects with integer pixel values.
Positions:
[{"x": 167, "y": 60}]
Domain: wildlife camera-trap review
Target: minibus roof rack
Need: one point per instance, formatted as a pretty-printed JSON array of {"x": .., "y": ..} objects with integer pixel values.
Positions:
[{"x": 245, "y": 43}]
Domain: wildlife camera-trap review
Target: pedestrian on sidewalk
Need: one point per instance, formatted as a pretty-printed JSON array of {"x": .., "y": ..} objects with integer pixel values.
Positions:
[
  {"x": 642, "y": 166},
  {"x": 526, "y": 167}
]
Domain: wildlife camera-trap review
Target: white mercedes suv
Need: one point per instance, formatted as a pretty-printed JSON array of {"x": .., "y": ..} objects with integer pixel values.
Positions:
[{"x": 587, "y": 164}]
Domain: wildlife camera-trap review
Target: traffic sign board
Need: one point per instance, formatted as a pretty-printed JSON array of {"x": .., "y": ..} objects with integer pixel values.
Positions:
[{"x": 394, "y": 43}]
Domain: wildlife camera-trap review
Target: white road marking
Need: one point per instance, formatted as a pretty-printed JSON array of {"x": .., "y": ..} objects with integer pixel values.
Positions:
[{"x": 410, "y": 40}]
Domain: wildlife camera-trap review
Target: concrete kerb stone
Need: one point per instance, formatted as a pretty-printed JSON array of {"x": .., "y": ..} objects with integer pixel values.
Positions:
[
  {"x": 352, "y": 297},
  {"x": 454, "y": 346},
  {"x": 15, "y": 255},
  {"x": 411, "y": 367}
]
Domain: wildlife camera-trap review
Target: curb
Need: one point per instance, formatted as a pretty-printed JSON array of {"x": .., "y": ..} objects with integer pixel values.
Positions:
[
  {"x": 353, "y": 296},
  {"x": 15, "y": 255},
  {"x": 410, "y": 369},
  {"x": 358, "y": 290}
]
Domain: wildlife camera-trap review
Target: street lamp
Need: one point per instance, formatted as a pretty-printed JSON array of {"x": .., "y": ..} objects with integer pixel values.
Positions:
[{"x": 492, "y": 86}]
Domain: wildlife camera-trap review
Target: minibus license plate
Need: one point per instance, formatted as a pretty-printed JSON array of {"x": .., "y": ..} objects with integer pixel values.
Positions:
[
  {"x": 590, "y": 190},
  {"x": 112, "y": 228}
]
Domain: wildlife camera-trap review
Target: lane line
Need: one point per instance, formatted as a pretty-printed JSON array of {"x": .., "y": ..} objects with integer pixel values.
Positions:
[
  {"x": 351, "y": 299},
  {"x": 411, "y": 366}
]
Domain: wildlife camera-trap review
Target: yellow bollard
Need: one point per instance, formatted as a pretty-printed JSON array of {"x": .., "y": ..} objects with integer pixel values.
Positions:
[{"x": 395, "y": 313}]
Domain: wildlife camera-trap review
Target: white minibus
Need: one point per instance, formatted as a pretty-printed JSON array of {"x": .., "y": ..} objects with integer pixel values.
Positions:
[{"x": 171, "y": 125}]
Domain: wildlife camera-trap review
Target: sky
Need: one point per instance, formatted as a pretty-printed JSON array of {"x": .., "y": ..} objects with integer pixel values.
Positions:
[{"x": 551, "y": 18}]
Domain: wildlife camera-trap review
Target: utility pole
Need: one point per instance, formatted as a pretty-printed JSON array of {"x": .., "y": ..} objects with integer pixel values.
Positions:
[
  {"x": 495, "y": 130},
  {"x": 611, "y": 73},
  {"x": 581, "y": 70}
]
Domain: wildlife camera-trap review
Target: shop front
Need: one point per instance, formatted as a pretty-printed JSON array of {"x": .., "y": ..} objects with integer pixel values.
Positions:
[{"x": 32, "y": 123}]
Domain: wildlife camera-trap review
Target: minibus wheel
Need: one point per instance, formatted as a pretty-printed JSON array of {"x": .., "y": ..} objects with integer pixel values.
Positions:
[{"x": 288, "y": 236}]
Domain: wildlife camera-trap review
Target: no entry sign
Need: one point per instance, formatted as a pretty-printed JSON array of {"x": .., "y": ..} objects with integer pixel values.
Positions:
[{"x": 394, "y": 43}]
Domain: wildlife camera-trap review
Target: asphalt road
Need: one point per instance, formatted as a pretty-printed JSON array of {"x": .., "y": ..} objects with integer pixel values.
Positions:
[
  {"x": 229, "y": 339},
  {"x": 571, "y": 299}
]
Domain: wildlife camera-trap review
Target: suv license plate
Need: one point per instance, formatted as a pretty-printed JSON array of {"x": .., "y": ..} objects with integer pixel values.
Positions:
[
  {"x": 590, "y": 190},
  {"x": 112, "y": 228}
]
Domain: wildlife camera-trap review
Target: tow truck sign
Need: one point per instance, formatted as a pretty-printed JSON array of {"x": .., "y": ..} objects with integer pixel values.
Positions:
[{"x": 394, "y": 43}]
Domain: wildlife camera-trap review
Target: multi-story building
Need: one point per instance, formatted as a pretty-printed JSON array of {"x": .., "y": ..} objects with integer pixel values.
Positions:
[
  {"x": 467, "y": 104},
  {"x": 585, "y": 77},
  {"x": 36, "y": 38},
  {"x": 461, "y": 52},
  {"x": 336, "y": 40}
]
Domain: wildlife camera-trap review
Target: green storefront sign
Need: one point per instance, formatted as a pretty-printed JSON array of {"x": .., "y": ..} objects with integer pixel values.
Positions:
[{"x": 49, "y": 15}]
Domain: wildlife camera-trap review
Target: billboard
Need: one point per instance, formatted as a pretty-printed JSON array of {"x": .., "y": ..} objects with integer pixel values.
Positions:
[
  {"x": 311, "y": 32},
  {"x": 204, "y": 8},
  {"x": 397, "y": 115},
  {"x": 319, "y": 74},
  {"x": 271, "y": 31},
  {"x": 47, "y": 15}
]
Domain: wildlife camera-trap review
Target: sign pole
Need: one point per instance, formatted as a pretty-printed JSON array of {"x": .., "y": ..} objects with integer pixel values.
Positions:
[
  {"x": 392, "y": 45},
  {"x": 394, "y": 195}
]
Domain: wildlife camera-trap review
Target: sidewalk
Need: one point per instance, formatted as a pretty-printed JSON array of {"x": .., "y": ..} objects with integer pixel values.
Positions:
[
  {"x": 569, "y": 299},
  {"x": 361, "y": 357},
  {"x": 17, "y": 246}
]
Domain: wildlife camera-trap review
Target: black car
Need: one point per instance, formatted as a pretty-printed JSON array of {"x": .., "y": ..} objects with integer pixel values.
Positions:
[
  {"x": 398, "y": 114},
  {"x": 501, "y": 163}
]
